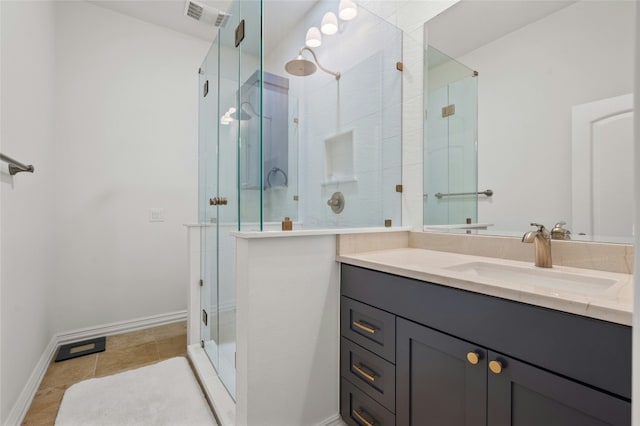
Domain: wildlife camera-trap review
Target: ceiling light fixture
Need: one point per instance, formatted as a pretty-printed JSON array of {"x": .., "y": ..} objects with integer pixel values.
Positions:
[
  {"x": 329, "y": 24},
  {"x": 347, "y": 10},
  {"x": 314, "y": 38}
]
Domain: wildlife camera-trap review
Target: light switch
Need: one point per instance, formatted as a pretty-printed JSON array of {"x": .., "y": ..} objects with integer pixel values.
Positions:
[{"x": 156, "y": 214}]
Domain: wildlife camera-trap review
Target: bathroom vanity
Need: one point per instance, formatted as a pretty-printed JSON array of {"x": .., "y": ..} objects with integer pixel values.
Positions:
[{"x": 419, "y": 347}]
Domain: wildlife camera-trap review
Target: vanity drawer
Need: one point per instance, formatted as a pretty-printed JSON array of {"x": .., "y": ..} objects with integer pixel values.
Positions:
[
  {"x": 369, "y": 327},
  {"x": 357, "y": 409},
  {"x": 371, "y": 374}
]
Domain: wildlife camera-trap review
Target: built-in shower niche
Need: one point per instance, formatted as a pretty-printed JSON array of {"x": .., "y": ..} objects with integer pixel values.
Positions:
[
  {"x": 275, "y": 132},
  {"x": 338, "y": 158}
]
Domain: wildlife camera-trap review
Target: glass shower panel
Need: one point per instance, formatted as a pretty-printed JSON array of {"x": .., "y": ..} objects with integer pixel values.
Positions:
[
  {"x": 345, "y": 133},
  {"x": 436, "y": 157},
  {"x": 229, "y": 130},
  {"x": 207, "y": 215},
  {"x": 250, "y": 149},
  {"x": 463, "y": 163},
  {"x": 361, "y": 142},
  {"x": 450, "y": 145},
  {"x": 218, "y": 198},
  {"x": 280, "y": 142}
]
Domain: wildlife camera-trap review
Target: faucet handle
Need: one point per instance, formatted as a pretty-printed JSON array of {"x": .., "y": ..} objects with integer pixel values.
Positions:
[
  {"x": 559, "y": 232},
  {"x": 542, "y": 230}
]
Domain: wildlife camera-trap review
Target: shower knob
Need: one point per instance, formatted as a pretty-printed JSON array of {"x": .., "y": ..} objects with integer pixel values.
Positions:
[{"x": 336, "y": 202}]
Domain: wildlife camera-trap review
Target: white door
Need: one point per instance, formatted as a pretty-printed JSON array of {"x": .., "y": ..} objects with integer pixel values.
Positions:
[{"x": 602, "y": 168}]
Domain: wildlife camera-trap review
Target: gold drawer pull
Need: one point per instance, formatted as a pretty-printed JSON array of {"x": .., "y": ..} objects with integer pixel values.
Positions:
[
  {"x": 363, "y": 373},
  {"x": 363, "y": 327},
  {"x": 361, "y": 419}
]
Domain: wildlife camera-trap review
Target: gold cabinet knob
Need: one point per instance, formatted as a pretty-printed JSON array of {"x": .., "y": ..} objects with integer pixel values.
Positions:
[
  {"x": 213, "y": 201},
  {"x": 473, "y": 357},
  {"x": 495, "y": 366}
]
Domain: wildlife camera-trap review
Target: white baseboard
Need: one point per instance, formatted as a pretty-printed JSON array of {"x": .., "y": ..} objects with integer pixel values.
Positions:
[
  {"x": 21, "y": 406},
  {"x": 335, "y": 420},
  {"x": 121, "y": 327},
  {"x": 19, "y": 411}
]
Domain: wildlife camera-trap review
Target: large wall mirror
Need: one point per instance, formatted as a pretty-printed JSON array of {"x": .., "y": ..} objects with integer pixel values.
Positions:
[{"x": 552, "y": 136}]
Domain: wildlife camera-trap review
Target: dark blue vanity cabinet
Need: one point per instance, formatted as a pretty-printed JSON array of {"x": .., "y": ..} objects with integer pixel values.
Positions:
[{"x": 416, "y": 353}]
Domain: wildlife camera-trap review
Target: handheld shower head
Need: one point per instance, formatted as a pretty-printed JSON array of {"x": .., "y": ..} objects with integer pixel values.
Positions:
[{"x": 303, "y": 67}]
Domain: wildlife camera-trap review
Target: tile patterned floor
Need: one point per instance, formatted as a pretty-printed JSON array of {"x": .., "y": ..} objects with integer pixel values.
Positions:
[{"x": 123, "y": 352}]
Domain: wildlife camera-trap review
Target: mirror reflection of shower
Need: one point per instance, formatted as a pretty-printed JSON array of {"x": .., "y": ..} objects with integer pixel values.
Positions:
[
  {"x": 243, "y": 115},
  {"x": 264, "y": 140}
]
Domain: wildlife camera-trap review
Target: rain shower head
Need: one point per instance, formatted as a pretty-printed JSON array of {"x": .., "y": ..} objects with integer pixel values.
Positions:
[
  {"x": 300, "y": 67},
  {"x": 303, "y": 67}
]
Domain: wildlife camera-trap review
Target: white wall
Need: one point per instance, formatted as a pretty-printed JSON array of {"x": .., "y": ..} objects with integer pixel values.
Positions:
[
  {"x": 105, "y": 107},
  {"x": 27, "y": 200},
  {"x": 580, "y": 54},
  {"x": 288, "y": 336},
  {"x": 127, "y": 111}
]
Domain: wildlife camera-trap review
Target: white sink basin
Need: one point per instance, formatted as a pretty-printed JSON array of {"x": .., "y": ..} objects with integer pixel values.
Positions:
[{"x": 538, "y": 277}]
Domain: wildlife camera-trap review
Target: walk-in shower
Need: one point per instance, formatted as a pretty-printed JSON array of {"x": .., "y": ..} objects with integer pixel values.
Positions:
[{"x": 275, "y": 145}]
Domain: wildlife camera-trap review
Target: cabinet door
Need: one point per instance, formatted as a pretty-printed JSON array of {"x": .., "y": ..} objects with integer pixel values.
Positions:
[
  {"x": 523, "y": 395},
  {"x": 440, "y": 380}
]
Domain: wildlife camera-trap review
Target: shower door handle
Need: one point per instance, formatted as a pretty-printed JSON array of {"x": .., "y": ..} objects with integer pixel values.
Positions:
[{"x": 218, "y": 201}]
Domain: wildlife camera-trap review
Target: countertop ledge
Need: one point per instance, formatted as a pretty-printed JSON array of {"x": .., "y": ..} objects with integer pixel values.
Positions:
[
  {"x": 313, "y": 232},
  {"x": 613, "y": 305}
]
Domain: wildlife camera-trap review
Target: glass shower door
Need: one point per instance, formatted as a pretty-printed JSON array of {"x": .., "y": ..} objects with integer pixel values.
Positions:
[
  {"x": 208, "y": 214},
  {"x": 218, "y": 217},
  {"x": 218, "y": 203},
  {"x": 229, "y": 125},
  {"x": 224, "y": 128}
]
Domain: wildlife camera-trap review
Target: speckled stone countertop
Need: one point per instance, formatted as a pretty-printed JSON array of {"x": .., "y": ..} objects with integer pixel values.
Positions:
[{"x": 612, "y": 303}]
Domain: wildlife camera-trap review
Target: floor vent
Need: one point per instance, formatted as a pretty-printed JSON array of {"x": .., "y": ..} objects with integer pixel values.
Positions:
[{"x": 78, "y": 349}]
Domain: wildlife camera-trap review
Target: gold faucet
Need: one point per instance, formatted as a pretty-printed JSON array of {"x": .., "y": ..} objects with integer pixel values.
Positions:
[{"x": 541, "y": 238}]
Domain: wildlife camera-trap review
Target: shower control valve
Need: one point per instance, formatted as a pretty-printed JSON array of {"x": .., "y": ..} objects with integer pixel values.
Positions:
[{"x": 336, "y": 202}]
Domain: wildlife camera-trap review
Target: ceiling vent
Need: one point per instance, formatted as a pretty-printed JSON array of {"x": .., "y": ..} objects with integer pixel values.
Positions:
[{"x": 205, "y": 14}]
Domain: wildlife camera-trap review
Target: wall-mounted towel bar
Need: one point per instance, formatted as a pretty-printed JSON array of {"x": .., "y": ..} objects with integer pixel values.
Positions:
[
  {"x": 16, "y": 166},
  {"x": 487, "y": 192}
]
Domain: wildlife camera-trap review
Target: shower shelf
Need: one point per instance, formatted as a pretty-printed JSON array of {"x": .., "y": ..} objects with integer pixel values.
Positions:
[
  {"x": 338, "y": 181},
  {"x": 339, "y": 159}
]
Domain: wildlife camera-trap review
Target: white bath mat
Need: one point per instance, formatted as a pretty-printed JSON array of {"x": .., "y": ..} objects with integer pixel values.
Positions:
[{"x": 165, "y": 393}]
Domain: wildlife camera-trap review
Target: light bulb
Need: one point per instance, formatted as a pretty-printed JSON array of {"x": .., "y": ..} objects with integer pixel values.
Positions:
[
  {"x": 314, "y": 38},
  {"x": 329, "y": 23},
  {"x": 347, "y": 10}
]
